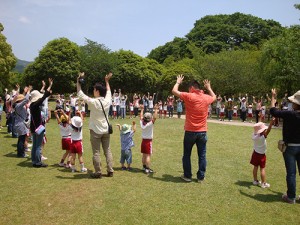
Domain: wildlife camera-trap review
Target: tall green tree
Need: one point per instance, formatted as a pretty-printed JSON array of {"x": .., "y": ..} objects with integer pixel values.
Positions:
[
  {"x": 136, "y": 74},
  {"x": 59, "y": 60},
  {"x": 96, "y": 61},
  {"x": 7, "y": 61},
  {"x": 281, "y": 61}
]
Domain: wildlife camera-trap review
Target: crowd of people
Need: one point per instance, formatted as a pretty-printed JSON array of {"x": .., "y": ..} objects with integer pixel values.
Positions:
[{"x": 27, "y": 114}]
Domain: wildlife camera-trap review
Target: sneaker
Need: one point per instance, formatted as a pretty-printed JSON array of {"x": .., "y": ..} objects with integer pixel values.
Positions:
[
  {"x": 201, "y": 181},
  {"x": 129, "y": 168},
  {"x": 110, "y": 174},
  {"x": 83, "y": 169},
  {"x": 29, "y": 145},
  {"x": 68, "y": 166},
  {"x": 148, "y": 170},
  {"x": 265, "y": 185},
  {"x": 43, "y": 158},
  {"x": 287, "y": 199},
  {"x": 27, "y": 150},
  {"x": 123, "y": 168},
  {"x": 61, "y": 164},
  {"x": 96, "y": 175},
  {"x": 186, "y": 179},
  {"x": 39, "y": 165},
  {"x": 256, "y": 182}
]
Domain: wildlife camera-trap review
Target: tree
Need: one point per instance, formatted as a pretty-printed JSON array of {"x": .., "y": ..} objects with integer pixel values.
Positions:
[
  {"x": 7, "y": 61},
  {"x": 96, "y": 61},
  {"x": 281, "y": 61},
  {"x": 135, "y": 73},
  {"x": 59, "y": 60}
]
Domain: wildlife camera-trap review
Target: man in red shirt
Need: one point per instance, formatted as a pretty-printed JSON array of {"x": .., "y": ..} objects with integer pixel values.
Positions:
[{"x": 196, "y": 104}]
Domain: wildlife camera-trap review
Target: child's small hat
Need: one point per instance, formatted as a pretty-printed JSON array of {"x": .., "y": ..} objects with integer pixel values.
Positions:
[
  {"x": 76, "y": 121},
  {"x": 250, "y": 106},
  {"x": 230, "y": 100},
  {"x": 63, "y": 118},
  {"x": 147, "y": 117},
  {"x": 259, "y": 127},
  {"x": 125, "y": 128}
]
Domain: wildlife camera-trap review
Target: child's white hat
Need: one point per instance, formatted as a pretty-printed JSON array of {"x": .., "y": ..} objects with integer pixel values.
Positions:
[
  {"x": 259, "y": 127},
  {"x": 147, "y": 117},
  {"x": 76, "y": 121},
  {"x": 125, "y": 128}
]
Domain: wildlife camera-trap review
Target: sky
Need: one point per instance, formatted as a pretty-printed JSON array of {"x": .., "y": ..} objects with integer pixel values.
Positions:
[{"x": 136, "y": 25}]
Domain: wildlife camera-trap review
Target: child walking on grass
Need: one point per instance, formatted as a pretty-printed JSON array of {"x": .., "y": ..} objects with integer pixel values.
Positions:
[
  {"x": 77, "y": 147},
  {"x": 65, "y": 132},
  {"x": 259, "y": 158},
  {"x": 126, "y": 136},
  {"x": 147, "y": 122}
]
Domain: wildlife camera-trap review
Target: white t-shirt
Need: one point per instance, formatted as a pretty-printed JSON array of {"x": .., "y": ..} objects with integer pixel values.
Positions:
[
  {"x": 65, "y": 132},
  {"x": 76, "y": 135},
  {"x": 147, "y": 129},
  {"x": 259, "y": 143}
]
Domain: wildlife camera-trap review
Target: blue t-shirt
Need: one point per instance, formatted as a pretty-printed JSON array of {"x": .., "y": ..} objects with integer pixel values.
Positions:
[{"x": 126, "y": 141}]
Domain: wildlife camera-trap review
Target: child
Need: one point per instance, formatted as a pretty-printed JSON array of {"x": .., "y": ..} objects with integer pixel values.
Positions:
[
  {"x": 250, "y": 113},
  {"x": 222, "y": 112},
  {"x": 235, "y": 114},
  {"x": 65, "y": 132},
  {"x": 165, "y": 109},
  {"x": 263, "y": 113},
  {"x": 1, "y": 110},
  {"x": 77, "y": 147},
  {"x": 131, "y": 110},
  {"x": 147, "y": 122},
  {"x": 126, "y": 138},
  {"x": 114, "y": 109},
  {"x": 82, "y": 109},
  {"x": 259, "y": 158},
  {"x": 160, "y": 109}
]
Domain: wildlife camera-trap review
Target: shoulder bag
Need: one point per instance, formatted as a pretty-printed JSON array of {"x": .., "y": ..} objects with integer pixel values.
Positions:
[{"x": 110, "y": 129}]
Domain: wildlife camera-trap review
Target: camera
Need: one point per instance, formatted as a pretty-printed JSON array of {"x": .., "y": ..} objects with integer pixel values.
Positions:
[{"x": 81, "y": 81}]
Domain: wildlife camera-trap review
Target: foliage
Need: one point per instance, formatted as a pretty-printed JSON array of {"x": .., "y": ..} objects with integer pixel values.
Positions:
[
  {"x": 281, "y": 61},
  {"x": 233, "y": 72},
  {"x": 135, "y": 73},
  {"x": 7, "y": 61},
  {"x": 59, "y": 60},
  {"x": 217, "y": 33},
  {"x": 96, "y": 61}
]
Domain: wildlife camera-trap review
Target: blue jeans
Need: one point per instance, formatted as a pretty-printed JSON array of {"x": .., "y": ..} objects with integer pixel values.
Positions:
[
  {"x": 200, "y": 139},
  {"x": 291, "y": 157},
  {"x": 230, "y": 114},
  {"x": 21, "y": 145},
  {"x": 123, "y": 113},
  {"x": 37, "y": 140}
]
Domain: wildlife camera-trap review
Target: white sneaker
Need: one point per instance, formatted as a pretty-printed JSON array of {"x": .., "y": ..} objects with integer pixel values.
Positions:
[
  {"x": 256, "y": 182},
  {"x": 29, "y": 145},
  {"x": 43, "y": 158},
  {"x": 265, "y": 185},
  {"x": 61, "y": 164},
  {"x": 27, "y": 150},
  {"x": 83, "y": 169}
]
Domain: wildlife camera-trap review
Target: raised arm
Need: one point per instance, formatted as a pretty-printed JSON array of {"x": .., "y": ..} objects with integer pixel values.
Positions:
[
  {"x": 107, "y": 78},
  {"x": 175, "y": 90},
  {"x": 209, "y": 89}
]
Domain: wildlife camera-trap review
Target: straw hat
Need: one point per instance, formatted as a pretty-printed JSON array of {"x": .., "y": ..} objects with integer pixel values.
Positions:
[
  {"x": 259, "y": 127},
  {"x": 125, "y": 129},
  {"x": 35, "y": 95},
  {"x": 64, "y": 119},
  {"x": 19, "y": 98},
  {"x": 76, "y": 121},
  {"x": 295, "y": 98}
]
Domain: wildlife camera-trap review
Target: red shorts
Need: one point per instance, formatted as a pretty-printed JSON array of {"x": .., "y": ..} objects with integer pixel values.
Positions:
[
  {"x": 250, "y": 115},
  {"x": 76, "y": 147},
  {"x": 235, "y": 114},
  {"x": 66, "y": 144},
  {"x": 258, "y": 159},
  {"x": 222, "y": 114},
  {"x": 146, "y": 146}
]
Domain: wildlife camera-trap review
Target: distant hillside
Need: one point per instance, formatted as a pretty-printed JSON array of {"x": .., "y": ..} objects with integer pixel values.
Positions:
[{"x": 20, "y": 66}]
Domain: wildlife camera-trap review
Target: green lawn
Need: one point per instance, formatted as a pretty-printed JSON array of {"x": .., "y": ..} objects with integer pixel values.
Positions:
[{"x": 54, "y": 195}]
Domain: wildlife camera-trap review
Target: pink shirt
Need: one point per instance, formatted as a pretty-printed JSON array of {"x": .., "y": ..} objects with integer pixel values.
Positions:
[{"x": 196, "y": 104}]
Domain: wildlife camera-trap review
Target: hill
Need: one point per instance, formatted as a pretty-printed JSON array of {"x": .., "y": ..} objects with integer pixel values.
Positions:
[{"x": 21, "y": 65}]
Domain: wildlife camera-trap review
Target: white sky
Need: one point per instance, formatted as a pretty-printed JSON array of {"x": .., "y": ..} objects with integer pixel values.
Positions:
[{"x": 136, "y": 25}]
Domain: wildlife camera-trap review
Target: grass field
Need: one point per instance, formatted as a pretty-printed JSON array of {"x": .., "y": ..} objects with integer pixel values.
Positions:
[{"x": 54, "y": 195}]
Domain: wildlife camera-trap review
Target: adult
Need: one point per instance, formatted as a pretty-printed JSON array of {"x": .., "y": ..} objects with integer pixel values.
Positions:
[
  {"x": 98, "y": 125},
  {"x": 37, "y": 100},
  {"x": 218, "y": 106},
  {"x": 196, "y": 105},
  {"x": 258, "y": 105},
  {"x": 243, "y": 107},
  {"x": 21, "y": 116},
  {"x": 291, "y": 137},
  {"x": 73, "y": 101},
  {"x": 170, "y": 107}
]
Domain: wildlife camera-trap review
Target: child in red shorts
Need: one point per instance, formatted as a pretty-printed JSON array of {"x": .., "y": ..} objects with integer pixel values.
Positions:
[
  {"x": 77, "y": 147},
  {"x": 65, "y": 132},
  {"x": 259, "y": 158},
  {"x": 147, "y": 122}
]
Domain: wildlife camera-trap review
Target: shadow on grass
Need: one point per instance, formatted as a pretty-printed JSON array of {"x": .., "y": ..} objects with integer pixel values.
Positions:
[
  {"x": 167, "y": 178},
  {"x": 247, "y": 184},
  {"x": 11, "y": 155},
  {"x": 264, "y": 197}
]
